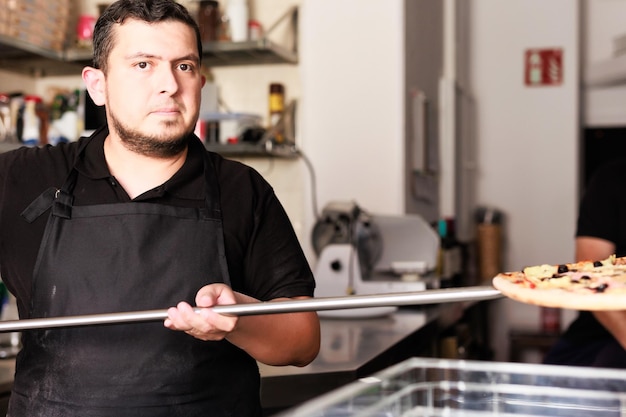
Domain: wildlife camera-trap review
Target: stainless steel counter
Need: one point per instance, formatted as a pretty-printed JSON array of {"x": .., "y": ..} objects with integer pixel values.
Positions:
[
  {"x": 349, "y": 343},
  {"x": 351, "y": 348},
  {"x": 354, "y": 348}
]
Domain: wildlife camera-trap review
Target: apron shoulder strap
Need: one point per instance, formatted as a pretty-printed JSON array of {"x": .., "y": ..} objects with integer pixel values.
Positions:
[
  {"x": 60, "y": 200},
  {"x": 39, "y": 205}
]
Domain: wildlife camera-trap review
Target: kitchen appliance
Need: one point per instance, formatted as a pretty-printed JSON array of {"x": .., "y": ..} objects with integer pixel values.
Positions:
[
  {"x": 361, "y": 253},
  {"x": 424, "y": 387}
]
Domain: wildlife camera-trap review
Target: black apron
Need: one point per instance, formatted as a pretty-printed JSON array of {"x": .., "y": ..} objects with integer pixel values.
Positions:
[{"x": 128, "y": 257}]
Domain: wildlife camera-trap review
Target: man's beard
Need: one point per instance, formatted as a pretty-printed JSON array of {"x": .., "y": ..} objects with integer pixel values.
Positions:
[{"x": 158, "y": 146}]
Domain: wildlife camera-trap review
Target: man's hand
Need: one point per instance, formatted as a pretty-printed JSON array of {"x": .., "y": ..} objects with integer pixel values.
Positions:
[
  {"x": 205, "y": 324},
  {"x": 274, "y": 339}
]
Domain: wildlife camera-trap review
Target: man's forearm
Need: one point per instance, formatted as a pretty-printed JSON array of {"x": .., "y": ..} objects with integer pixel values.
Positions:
[
  {"x": 615, "y": 323},
  {"x": 278, "y": 339}
]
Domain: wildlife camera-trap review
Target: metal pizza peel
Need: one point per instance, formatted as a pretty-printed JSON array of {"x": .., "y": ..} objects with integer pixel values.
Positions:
[{"x": 436, "y": 296}]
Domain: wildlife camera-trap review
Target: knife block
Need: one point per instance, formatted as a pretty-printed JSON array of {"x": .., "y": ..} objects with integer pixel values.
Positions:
[{"x": 489, "y": 239}]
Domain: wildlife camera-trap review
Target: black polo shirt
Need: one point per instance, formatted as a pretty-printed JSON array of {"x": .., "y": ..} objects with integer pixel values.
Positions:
[
  {"x": 602, "y": 214},
  {"x": 265, "y": 259}
]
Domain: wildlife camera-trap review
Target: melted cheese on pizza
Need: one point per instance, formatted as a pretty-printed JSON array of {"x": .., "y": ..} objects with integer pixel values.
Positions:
[{"x": 597, "y": 276}]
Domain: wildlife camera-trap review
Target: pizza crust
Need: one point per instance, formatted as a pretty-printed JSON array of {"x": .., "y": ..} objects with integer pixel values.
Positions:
[{"x": 560, "y": 298}]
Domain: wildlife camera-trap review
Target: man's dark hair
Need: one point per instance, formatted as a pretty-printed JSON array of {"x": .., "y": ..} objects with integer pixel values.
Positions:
[{"x": 149, "y": 11}]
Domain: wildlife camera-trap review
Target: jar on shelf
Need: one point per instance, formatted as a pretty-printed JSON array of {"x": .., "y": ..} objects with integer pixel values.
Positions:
[
  {"x": 237, "y": 13},
  {"x": 84, "y": 30},
  {"x": 209, "y": 20},
  {"x": 255, "y": 30}
]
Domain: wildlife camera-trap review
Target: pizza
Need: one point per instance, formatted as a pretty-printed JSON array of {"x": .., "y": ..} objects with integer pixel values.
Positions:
[{"x": 584, "y": 285}]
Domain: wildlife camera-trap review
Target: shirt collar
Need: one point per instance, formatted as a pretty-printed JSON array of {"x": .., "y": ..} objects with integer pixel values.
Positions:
[{"x": 187, "y": 183}]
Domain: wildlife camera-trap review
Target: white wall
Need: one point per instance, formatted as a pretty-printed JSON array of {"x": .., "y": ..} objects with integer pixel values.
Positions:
[
  {"x": 353, "y": 87},
  {"x": 603, "y": 22},
  {"x": 527, "y": 137}
]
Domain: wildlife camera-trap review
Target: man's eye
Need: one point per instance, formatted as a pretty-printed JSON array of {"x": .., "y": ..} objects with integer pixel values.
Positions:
[
  {"x": 185, "y": 67},
  {"x": 142, "y": 65}
]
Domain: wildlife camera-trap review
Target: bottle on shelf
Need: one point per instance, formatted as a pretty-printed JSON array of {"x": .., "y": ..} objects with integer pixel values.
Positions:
[
  {"x": 450, "y": 266},
  {"x": 16, "y": 116},
  {"x": 31, "y": 134},
  {"x": 276, "y": 108}
]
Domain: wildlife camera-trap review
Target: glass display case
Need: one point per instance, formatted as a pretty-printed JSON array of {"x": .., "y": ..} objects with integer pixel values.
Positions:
[{"x": 432, "y": 387}]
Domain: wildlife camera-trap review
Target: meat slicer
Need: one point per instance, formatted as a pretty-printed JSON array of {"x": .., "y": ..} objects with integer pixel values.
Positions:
[{"x": 360, "y": 253}]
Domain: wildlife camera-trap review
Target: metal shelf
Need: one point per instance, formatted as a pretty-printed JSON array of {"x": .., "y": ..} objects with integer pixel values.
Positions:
[
  {"x": 262, "y": 51},
  {"x": 266, "y": 146},
  {"x": 16, "y": 48},
  {"x": 25, "y": 58},
  {"x": 253, "y": 150},
  {"x": 28, "y": 59},
  {"x": 39, "y": 62},
  {"x": 232, "y": 150}
]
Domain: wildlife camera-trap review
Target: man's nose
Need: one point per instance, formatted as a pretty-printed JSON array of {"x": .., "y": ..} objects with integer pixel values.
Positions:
[{"x": 167, "y": 80}]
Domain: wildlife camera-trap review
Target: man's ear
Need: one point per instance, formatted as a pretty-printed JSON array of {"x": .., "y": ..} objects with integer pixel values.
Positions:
[{"x": 94, "y": 82}]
